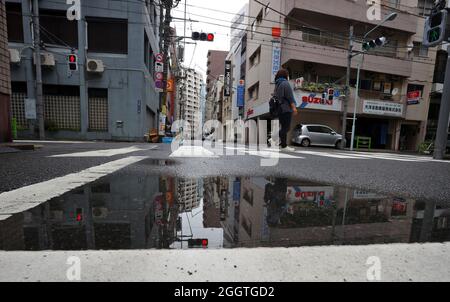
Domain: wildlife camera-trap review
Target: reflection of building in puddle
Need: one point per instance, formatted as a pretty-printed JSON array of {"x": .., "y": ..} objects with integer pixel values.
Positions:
[
  {"x": 188, "y": 191},
  {"x": 118, "y": 213},
  {"x": 157, "y": 212},
  {"x": 292, "y": 213},
  {"x": 431, "y": 223}
]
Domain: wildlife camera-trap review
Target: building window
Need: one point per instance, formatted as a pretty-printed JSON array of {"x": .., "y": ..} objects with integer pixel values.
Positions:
[
  {"x": 425, "y": 6},
  {"x": 255, "y": 58},
  {"x": 14, "y": 22},
  {"x": 253, "y": 91},
  {"x": 148, "y": 54},
  {"x": 98, "y": 110},
  {"x": 56, "y": 29},
  {"x": 107, "y": 35},
  {"x": 259, "y": 18},
  {"x": 420, "y": 50}
]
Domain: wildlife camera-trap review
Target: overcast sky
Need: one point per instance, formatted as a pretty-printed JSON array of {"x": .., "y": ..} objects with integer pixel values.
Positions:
[{"x": 222, "y": 39}]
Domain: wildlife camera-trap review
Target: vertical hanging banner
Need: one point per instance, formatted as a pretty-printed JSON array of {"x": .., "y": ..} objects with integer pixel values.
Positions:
[
  {"x": 241, "y": 94},
  {"x": 276, "y": 58},
  {"x": 228, "y": 80}
]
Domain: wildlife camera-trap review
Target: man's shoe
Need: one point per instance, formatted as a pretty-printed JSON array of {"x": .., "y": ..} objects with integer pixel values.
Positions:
[{"x": 288, "y": 149}]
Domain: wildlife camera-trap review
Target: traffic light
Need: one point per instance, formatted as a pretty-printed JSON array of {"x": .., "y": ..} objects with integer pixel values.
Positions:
[
  {"x": 79, "y": 215},
  {"x": 72, "y": 60},
  {"x": 435, "y": 29},
  {"x": 200, "y": 36},
  {"x": 198, "y": 243},
  {"x": 380, "y": 42}
]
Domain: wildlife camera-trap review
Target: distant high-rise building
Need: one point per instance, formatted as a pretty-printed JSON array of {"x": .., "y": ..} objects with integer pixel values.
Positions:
[{"x": 190, "y": 99}]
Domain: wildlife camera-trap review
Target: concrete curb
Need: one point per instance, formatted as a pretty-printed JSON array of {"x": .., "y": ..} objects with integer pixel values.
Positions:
[{"x": 398, "y": 262}]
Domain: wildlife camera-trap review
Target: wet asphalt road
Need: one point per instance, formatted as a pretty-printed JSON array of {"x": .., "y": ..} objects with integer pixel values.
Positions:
[{"x": 418, "y": 180}]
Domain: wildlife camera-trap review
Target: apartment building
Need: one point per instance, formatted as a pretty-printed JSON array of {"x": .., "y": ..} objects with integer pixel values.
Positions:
[
  {"x": 233, "y": 107},
  {"x": 395, "y": 83},
  {"x": 5, "y": 88},
  {"x": 112, "y": 95},
  {"x": 188, "y": 194},
  {"x": 214, "y": 101},
  {"x": 190, "y": 100}
]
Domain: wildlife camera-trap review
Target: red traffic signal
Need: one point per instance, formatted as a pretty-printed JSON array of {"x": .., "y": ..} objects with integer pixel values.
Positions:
[
  {"x": 198, "y": 243},
  {"x": 200, "y": 36},
  {"x": 79, "y": 215},
  {"x": 73, "y": 62}
]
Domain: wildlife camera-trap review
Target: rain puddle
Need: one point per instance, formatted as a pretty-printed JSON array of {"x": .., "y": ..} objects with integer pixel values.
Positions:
[{"x": 157, "y": 212}]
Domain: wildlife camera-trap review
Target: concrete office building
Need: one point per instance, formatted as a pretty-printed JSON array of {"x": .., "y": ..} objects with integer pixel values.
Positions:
[
  {"x": 5, "y": 88},
  {"x": 190, "y": 99},
  {"x": 112, "y": 95},
  {"x": 314, "y": 49}
]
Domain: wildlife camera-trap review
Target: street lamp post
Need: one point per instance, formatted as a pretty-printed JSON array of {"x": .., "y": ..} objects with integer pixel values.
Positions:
[{"x": 390, "y": 17}]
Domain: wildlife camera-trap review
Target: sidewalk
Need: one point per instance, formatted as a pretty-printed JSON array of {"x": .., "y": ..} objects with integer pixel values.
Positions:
[
  {"x": 389, "y": 262},
  {"x": 17, "y": 147}
]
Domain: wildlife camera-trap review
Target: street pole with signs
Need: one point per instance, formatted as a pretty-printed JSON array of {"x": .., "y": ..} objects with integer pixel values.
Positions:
[{"x": 437, "y": 32}]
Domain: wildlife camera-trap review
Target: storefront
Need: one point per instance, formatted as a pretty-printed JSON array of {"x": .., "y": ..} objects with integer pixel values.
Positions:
[{"x": 381, "y": 122}]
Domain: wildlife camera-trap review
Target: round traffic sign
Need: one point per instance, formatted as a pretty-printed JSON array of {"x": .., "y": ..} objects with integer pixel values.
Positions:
[
  {"x": 159, "y": 57},
  {"x": 159, "y": 76}
]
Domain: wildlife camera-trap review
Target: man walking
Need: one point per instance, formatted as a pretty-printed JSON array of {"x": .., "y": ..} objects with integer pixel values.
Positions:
[{"x": 285, "y": 94}]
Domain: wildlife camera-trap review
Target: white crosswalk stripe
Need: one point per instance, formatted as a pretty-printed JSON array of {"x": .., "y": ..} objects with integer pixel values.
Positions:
[
  {"x": 105, "y": 153},
  {"x": 371, "y": 156},
  {"x": 241, "y": 150}
]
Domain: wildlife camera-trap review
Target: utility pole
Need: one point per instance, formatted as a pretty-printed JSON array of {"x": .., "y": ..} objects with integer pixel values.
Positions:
[
  {"x": 167, "y": 37},
  {"x": 347, "y": 87},
  {"x": 37, "y": 51},
  {"x": 442, "y": 132}
]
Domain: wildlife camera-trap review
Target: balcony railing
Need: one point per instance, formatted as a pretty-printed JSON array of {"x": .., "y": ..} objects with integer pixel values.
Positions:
[{"x": 377, "y": 96}]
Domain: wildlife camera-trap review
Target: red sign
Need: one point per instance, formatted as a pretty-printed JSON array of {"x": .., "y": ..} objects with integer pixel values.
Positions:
[
  {"x": 414, "y": 97},
  {"x": 276, "y": 32},
  {"x": 317, "y": 100},
  {"x": 159, "y": 57}
]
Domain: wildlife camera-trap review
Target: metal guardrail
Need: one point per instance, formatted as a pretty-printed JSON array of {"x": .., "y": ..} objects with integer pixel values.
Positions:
[{"x": 363, "y": 143}]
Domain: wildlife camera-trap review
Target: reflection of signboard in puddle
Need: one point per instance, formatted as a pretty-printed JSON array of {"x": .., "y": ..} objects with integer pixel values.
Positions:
[
  {"x": 366, "y": 195},
  {"x": 399, "y": 207},
  {"x": 159, "y": 210},
  {"x": 322, "y": 196}
]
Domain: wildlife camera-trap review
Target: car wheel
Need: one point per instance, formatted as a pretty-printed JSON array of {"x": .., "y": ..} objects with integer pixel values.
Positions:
[
  {"x": 306, "y": 143},
  {"x": 338, "y": 144}
]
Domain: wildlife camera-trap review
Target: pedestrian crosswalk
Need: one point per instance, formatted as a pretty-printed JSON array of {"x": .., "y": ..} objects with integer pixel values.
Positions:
[
  {"x": 301, "y": 154},
  {"x": 105, "y": 153},
  {"x": 370, "y": 156}
]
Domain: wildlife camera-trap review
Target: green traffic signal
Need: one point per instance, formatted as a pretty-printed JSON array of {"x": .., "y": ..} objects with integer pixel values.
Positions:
[{"x": 434, "y": 34}]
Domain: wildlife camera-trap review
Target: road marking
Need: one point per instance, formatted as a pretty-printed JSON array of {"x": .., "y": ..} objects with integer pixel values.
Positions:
[
  {"x": 327, "y": 154},
  {"x": 272, "y": 154},
  {"x": 193, "y": 152},
  {"x": 52, "y": 142},
  {"x": 104, "y": 153},
  {"x": 369, "y": 156},
  {"x": 394, "y": 157},
  {"x": 31, "y": 196}
]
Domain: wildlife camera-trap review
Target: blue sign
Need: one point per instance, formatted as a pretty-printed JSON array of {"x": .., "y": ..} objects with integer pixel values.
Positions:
[
  {"x": 237, "y": 190},
  {"x": 241, "y": 96}
]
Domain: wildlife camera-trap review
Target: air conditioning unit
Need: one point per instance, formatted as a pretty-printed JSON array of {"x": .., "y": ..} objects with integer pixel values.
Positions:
[
  {"x": 99, "y": 212},
  {"x": 14, "y": 56},
  {"x": 47, "y": 59},
  {"x": 95, "y": 66}
]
